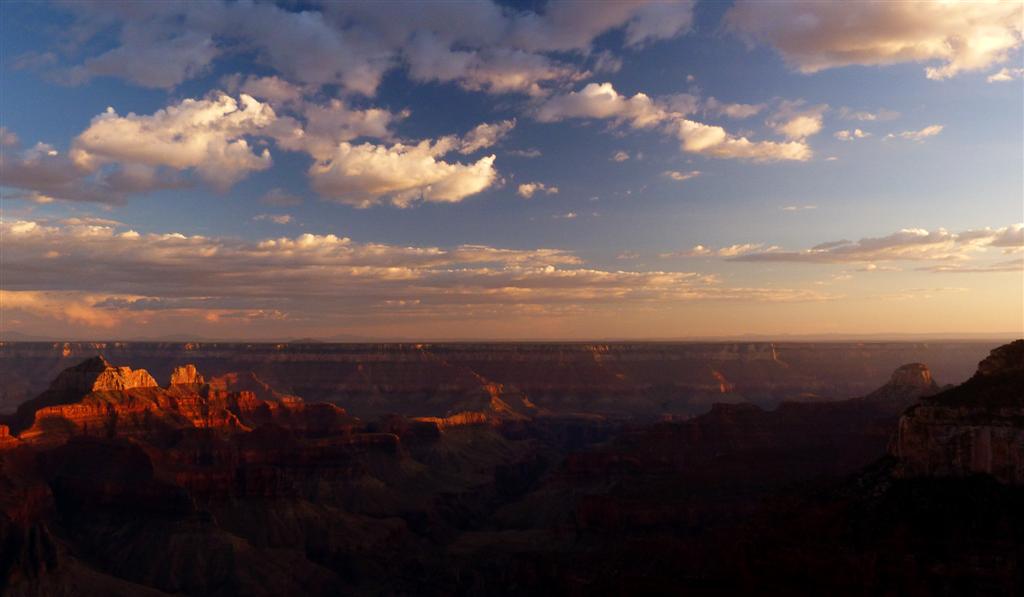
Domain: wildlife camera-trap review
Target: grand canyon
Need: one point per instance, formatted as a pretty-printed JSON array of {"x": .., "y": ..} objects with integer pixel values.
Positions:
[
  {"x": 511, "y": 297},
  {"x": 512, "y": 469}
]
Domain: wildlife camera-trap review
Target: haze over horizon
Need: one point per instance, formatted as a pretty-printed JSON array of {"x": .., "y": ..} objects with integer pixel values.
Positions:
[{"x": 511, "y": 170}]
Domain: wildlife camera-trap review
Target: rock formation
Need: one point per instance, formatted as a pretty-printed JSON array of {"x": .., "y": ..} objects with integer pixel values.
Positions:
[
  {"x": 231, "y": 484},
  {"x": 186, "y": 375},
  {"x": 974, "y": 428},
  {"x": 97, "y": 399},
  {"x": 435, "y": 380}
]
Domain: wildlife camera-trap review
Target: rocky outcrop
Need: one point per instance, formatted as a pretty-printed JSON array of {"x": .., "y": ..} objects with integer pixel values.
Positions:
[
  {"x": 974, "y": 428},
  {"x": 459, "y": 419},
  {"x": 908, "y": 384},
  {"x": 96, "y": 374},
  {"x": 186, "y": 375},
  {"x": 96, "y": 399}
]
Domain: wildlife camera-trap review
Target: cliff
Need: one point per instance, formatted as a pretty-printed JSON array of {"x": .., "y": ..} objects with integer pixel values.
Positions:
[
  {"x": 97, "y": 399},
  {"x": 637, "y": 379},
  {"x": 974, "y": 428}
]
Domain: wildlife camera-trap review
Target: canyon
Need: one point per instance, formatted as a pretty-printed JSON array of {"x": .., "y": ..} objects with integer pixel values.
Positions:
[
  {"x": 467, "y": 474},
  {"x": 638, "y": 379}
]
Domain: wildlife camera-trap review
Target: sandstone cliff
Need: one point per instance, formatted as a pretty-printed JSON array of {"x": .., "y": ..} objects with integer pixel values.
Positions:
[
  {"x": 97, "y": 399},
  {"x": 974, "y": 428}
]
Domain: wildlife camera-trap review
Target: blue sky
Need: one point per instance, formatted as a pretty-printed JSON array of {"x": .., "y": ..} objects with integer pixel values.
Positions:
[{"x": 706, "y": 224}]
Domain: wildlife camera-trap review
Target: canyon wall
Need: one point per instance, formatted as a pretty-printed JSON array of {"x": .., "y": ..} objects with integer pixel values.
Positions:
[
  {"x": 437, "y": 380},
  {"x": 975, "y": 428}
]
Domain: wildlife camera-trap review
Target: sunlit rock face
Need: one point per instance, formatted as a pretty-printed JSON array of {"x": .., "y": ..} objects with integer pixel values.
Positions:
[
  {"x": 186, "y": 375},
  {"x": 97, "y": 399},
  {"x": 975, "y": 428},
  {"x": 96, "y": 374}
]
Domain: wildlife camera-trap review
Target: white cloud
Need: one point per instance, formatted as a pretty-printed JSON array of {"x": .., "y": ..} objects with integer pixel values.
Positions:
[
  {"x": 681, "y": 176},
  {"x": 729, "y": 251},
  {"x": 207, "y": 135},
  {"x": 1005, "y": 75},
  {"x": 273, "y": 89},
  {"x": 850, "y": 135},
  {"x": 795, "y": 120},
  {"x": 275, "y": 218},
  {"x": 847, "y": 113},
  {"x": 366, "y": 174},
  {"x": 813, "y": 36},
  {"x": 76, "y": 272},
  {"x": 328, "y": 124},
  {"x": 798, "y": 207},
  {"x": 602, "y": 101},
  {"x": 919, "y": 135},
  {"x": 909, "y": 244},
  {"x": 486, "y": 135},
  {"x": 151, "y": 60},
  {"x": 481, "y": 45},
  {"x": 620, "y": 156},
  {"x": 527, "y": 190},
  {"x": 737, "y": 111},
  {"x": 716, "y": 142},
  {"x": 43, "y": 174}
]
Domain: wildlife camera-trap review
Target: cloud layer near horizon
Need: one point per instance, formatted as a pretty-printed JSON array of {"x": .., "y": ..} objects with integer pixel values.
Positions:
[{"x": 100, "y": 273}]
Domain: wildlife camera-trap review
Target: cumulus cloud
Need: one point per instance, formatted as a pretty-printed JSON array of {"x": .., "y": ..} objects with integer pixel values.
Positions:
[
  {"x": 796, "y": 120},
  {"x": 326, "y": 125},
  {"x": 909, "y": 244},
  {"x": 527, "y": 190},
  {"x": 151, "y": 61},
  {"x": 206, "y": 135},
  {"x": 851, "y": 134},
  {"x": 1005, "y": 75},
  {"x": 486, "y": 135},
  {"x": 42, "y": 173},
  {"x": 670, "y": 116},
  {"x": 480, "y": 45},
  {"x": 737, "y": 111},
  {"x": 367, "y": 174},
  {"x": 681, "y": 176},
  {"x": 496, "y": 70},
  {"x": 601, "y": 101},
  {"x": 919, "y": 135},
  {"x": 952, "y": 36},
  {"x": 217, "y": 139},
  {"x": 620, "y": 156}
]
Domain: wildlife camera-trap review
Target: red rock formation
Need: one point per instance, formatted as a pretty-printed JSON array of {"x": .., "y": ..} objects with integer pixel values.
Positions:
[
  {"x": 459, "y": 419},
  {"x": 99, "y": 400},
  {"x": 186, "y": 375},
  {"x": 974, "y": 428}
]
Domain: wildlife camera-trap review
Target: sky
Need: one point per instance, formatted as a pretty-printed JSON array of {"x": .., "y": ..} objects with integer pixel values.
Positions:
[{"x": 510, "y": 170}]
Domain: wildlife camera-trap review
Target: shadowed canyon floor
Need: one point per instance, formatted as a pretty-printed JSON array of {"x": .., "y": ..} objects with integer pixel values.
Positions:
[{"x": 114, "y": 481}]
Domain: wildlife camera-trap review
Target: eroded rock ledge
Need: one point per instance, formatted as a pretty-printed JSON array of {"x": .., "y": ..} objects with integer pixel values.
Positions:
[{"x": 974, "y": 428}]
